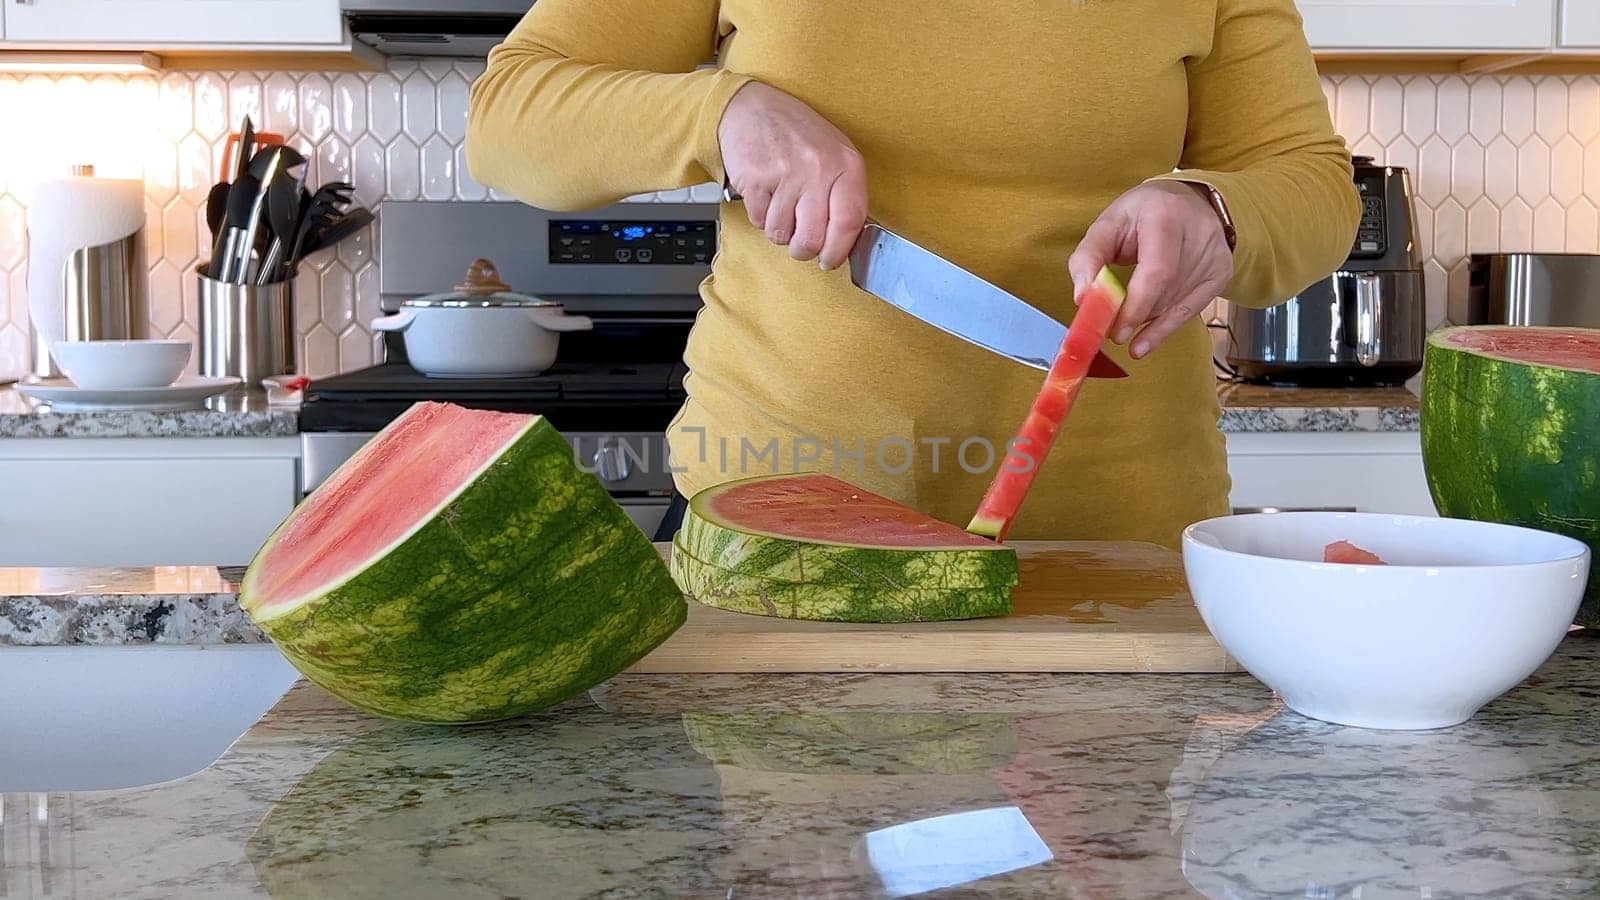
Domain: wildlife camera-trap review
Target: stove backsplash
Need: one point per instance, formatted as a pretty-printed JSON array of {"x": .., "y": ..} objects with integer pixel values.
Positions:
[{"x": 1500, "y": 163}]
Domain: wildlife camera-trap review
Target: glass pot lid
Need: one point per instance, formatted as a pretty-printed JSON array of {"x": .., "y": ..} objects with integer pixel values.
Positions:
[{"x": 481, "y": 289}]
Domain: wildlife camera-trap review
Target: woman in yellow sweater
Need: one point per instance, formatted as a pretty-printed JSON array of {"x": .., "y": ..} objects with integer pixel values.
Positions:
[{"x": 1029, "y": 141}]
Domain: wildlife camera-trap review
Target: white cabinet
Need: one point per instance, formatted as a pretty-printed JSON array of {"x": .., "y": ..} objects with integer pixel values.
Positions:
[
  {"x": 1360, "y": 471},
  {"x": 1431, "y": 25},
  {"x": 1580, "y": 23},
  {"x": 150, "y": 24},
  {"x": 143, "y": 501}
]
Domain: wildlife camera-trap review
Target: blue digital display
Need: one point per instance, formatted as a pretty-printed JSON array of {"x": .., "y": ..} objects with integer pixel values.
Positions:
[
  {"x": 646, "y": 242},
  {"x": 634, "y": 232}
]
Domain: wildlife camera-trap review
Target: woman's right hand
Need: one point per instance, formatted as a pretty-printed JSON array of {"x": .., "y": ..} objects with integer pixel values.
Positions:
[{"x": 803, "y": 182}]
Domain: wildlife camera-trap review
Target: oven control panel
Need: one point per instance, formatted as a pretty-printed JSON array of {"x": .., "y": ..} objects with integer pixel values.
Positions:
[
  {"x": 632, "y": 242},
  {"x": 1372, "y": 238}
]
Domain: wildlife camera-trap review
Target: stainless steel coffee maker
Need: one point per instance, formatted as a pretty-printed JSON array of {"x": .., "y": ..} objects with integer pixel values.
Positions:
[{"x": 1362, "y": 325}]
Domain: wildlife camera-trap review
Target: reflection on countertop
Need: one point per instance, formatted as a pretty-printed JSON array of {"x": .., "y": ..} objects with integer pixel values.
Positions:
[
  {"x": 239, "y": 413},
  {"x": 859, "y": 786}
]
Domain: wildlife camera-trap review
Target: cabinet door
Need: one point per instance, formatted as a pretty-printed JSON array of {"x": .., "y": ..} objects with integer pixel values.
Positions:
[
  {"x": 141, "y": 501},
  {"x": 156, "y": 23},
  {"x": 1484, "y": 25},
  {"x": 1358, "y": 472},
  {"x": 1580, "y": 23}
]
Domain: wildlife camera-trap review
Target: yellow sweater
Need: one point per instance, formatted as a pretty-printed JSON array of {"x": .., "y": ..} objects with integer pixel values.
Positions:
[{"x": 994, "y": 132}]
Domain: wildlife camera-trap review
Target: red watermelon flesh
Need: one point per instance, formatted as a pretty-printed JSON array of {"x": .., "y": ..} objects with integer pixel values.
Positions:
[
  {"x": 1097, "y": 311},
  {"x": 391, "y": 487},
  {"x": 829, "y": 510},
  {"x": 1349, "y": 554},
  {"x": 1577, "y": 349}
]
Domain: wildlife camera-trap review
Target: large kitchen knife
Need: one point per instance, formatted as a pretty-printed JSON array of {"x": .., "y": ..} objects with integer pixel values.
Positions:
[{"x": 948, "y": 297}]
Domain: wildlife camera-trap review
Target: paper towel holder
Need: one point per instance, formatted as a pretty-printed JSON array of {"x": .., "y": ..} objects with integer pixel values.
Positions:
[{"x": 104, "y": 291}]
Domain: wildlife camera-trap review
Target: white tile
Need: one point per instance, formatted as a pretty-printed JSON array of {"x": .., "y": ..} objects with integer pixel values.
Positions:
[
  {"x": 1516, "y": 227},
  {"x": 383, "y": 107},
  {"x": 355, "y": 251},
  {"x": 1566, "y": 170},
  {"x": 1436, "y": 291},
  {"x": 1420, "y": 108},
  {"x": 338, "y": 298},
  {"x": 1387, "y": 109},
  {"x": 1550, "y": 108},
  {"x": 435, "y": 69},
  {"x": 1449, "y": 236},
  {"x": 467, "y": 187},
  {"x": 438, "y": 169},
  {"x": 1549, "y": 227},
  {"x": 1500, "y": 170},
  {"x": 417, "y": 108},
  {"x": 1483, "y": 227},
  {"x": 1459, "y": 278},
  {"x": 1517, "y": 114},
  {"x": 13, "y": 349},
  {"x": 178, "y": 233},
  {"x": 244, "y": 99},
  {"x": 402, "y": 168},
  {"x": 1583, "y": 108},
  {"x": 1485, "y": 108},
  {"x": 1354, "y": 108},
  {"x": 307, "y": 299},
  {"x": 280, "y": 101},
  {"x": 367, "y": 298},
  {"x": 1432, "y": 178},
  {"x": 1591, "y": 171},
  {"x": 349, "y": 106},
  {"x": 316, "y": 107},
  {"x": 355, "y": 349},
  {"x": 452, "y": 110},
  {"x": 189, "y": 289},
  {"x": 321, "y": 352},
  {"x": 165, "y": 297},
  {"x": 1466, "y": 170},
  {"x": 332, "y": 161},
  {"x": 1583, "y": 228},
  {"x": 1533, "y": 170},
  {"x": 13, "y": 233},
  {"x": 210, "y": 106},
  {"x": 1451, "y": 109},
  {"x": 184, "y": 331},
  {"x": 175, "y": 105},
  {"x": 367, "y": 170},
  {"x": 155, "y": 244}
]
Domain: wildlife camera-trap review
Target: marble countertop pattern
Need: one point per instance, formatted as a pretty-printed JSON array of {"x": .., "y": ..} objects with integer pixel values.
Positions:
[
  {"x": 241, "y": 413},
  {"x": 1250, "y": 408},
  {"x": 162, "y": 605},
  {"x": 1006, "y": 786}
]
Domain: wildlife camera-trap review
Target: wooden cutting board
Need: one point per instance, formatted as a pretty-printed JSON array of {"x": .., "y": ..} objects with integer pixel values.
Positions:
[{"x": 1080, "y": 607}]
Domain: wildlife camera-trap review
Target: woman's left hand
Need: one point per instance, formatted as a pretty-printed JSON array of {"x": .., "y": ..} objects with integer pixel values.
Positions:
[{"x": 1173, "y": 237}]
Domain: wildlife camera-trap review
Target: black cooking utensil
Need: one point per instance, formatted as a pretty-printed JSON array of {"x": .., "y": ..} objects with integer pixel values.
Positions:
[
  {"x": 241, "y": 204},
  {"x": 266, "y": 166},
  {"x": 247, "y": 140},
  {"x": 350, "y": 223},
  {"x": 283, "y": 220},
  {"x": 217, "y": 209},
  {"x": 322, "y": 209}
]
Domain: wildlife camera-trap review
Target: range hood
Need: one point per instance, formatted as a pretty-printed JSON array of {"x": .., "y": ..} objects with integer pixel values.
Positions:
[{"x": 466, "y": 29}]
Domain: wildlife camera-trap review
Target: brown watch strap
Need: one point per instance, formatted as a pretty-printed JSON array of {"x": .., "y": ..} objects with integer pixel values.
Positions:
[{"x": 1230, "y": 233}]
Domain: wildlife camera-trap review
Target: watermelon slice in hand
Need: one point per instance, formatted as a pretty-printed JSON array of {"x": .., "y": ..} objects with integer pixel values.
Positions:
[{"x": 1097, "y": 310}]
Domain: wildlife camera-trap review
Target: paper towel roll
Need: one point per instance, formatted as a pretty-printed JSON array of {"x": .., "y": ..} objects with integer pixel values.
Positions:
[{"x": 64, "y": 216}]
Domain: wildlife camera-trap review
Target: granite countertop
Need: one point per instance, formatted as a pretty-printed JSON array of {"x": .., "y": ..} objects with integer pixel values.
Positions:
[
  {"x": 1260, "y": 408},
  {"x": 858, "y": 786},
  {"x": 240, "y": 413}
]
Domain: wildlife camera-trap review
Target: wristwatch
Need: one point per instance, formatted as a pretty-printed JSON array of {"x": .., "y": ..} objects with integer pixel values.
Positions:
[{"x": 1220, "y": 206}]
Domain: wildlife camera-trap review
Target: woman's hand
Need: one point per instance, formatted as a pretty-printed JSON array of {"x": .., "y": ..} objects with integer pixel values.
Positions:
[
  {"x": 802, "y": 180},
  {"x": 1173, "y": 237}
]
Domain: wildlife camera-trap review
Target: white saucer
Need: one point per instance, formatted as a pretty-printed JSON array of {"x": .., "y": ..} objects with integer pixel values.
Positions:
[{"x": 188, "y": 392}]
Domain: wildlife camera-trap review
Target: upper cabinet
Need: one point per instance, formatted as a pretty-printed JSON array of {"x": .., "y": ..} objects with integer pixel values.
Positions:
[
  {"x": 1433, "y": 25},
  {"x": 1580, "y": 23},
  {"x": 155, "y": 24}
]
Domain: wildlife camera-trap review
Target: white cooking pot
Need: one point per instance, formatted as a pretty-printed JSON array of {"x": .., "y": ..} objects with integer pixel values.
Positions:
[{"x": 481, "y": 329}]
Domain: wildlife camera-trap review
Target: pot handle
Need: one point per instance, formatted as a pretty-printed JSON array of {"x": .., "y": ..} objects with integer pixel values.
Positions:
[
  {"x": 400, "y": 321},
  {"x": 560, "y": 321}
]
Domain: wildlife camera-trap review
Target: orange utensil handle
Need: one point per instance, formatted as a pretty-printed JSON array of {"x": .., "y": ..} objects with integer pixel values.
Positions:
[{"x": 262, "y": 139}]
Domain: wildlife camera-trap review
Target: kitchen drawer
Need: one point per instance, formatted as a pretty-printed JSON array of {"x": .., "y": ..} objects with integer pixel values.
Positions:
[
  {"x": 80, "y": 502},
  {"x": 1366, "y": 472},
  {"x": 1429, "y": 25},
  {"x": 147, "y": 24}
]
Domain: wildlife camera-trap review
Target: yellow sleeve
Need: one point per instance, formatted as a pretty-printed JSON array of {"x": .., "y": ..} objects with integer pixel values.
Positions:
[
  {"x": 588, "y": 102},
  {"x": 1260, "y": 133}
]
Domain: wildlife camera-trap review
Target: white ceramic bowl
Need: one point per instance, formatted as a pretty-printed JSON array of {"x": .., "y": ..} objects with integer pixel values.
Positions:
[
  {"x": 1463, "y": 612},
  {"x": 103, "y": 365}
]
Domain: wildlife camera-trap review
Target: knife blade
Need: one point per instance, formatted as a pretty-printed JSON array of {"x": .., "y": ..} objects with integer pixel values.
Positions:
[{"x": 918, "y": 281}]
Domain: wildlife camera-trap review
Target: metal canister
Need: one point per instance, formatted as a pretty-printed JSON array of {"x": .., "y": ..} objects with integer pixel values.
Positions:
[{"x": 246, "y": 330}]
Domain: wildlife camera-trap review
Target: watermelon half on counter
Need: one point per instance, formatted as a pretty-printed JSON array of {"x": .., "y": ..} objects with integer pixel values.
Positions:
[
  {"x": 461, "y": 568},
  {"x": 1511, "y": 431},
  {"x": 812, "y": 546},
  {"x": 1097, "y": 311}
]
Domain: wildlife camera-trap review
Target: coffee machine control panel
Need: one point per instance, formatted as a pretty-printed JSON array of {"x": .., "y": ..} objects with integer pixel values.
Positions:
[{"x": 1372, "y": 238}]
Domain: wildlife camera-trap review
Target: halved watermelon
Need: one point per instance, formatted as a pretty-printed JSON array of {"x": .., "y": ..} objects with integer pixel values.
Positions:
[
  {"x": 828, "y": 536},
  {"x": 1511, "y": 431},
  {"x": 1097, "y": 310},
  {"x": 461, "y": 568}
]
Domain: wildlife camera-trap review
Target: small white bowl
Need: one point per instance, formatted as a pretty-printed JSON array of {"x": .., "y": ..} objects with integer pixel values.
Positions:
[
  {"x": 1463, "y": 612},
  {"x": 102, "y": 365}
]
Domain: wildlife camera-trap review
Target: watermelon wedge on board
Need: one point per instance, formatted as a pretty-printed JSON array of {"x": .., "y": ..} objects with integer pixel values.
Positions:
[
  {"x": 1097, "y": 310},
  {"x": 832, "y": 601},
  {"x": 461, "y": 568},
  {"x": 833, "y": 539},
  {"x": 1511, "y": 431}
]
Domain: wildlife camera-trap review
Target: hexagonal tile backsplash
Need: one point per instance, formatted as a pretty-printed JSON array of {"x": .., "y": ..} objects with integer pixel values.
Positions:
[{"x": 1499, "y": 162}]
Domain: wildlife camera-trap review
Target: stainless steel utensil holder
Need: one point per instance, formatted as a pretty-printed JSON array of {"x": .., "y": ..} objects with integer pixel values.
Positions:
[{"x": 246, "y": 330}]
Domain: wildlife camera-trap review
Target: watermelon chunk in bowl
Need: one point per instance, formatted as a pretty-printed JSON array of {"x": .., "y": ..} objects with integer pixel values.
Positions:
[{"x": 1462, "y": 612}]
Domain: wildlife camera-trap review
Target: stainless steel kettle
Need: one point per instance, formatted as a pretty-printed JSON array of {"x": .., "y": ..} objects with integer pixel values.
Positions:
[{"x": 1363, "y": 325}]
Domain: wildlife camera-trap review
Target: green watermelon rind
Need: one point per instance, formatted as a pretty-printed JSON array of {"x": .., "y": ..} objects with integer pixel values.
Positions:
[
  {"x": 831, "y": 601},
  {"x": 727, "y": 546},
  {"x": 529, "y": 587},
  {"x": 1515, "y": 443}
]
